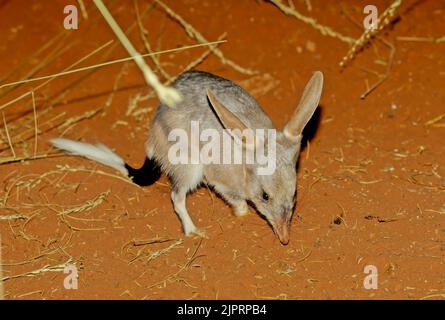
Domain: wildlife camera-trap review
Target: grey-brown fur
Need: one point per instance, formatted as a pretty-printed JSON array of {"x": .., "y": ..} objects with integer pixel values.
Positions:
[{"x": 217, "y": 103}]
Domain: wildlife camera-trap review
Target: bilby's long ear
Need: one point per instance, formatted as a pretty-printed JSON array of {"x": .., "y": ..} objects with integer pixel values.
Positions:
[
  {"x": 237, "y": 129},
  {"x": 306, "y": 108}
]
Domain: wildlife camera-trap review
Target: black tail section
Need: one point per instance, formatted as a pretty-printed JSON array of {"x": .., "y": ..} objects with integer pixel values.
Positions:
[{"x": 148, "y": 174}]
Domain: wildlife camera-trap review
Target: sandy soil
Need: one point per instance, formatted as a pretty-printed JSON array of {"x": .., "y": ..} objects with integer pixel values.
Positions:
[{"x": 370, "y": 181}]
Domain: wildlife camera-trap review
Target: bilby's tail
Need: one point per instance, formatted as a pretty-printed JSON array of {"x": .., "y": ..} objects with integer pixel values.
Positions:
[{"x": 148, "y": 174}]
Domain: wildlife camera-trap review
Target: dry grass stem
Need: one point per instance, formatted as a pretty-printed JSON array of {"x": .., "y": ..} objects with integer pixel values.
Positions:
[
  {"x": 44, "y": 269},
  {"x": 195, "y": 34},
  {"x": 12, "y": 217},
  {"x": 100, "y": 172},
  {"x": 138, "y": 243},
  {"x": 422, "y": 39},
  {"x": 49, "y": 78},
  {"x": 434, "y": 122},
  {"x": 2, "y": 288},
  {"x": 9, "y": 137},
  {"x": 103, "y": 64},
  {"x": 174, "y": 276},
  {"x": 384, "y": 20},
  {"x": 88, "y": 205},
  {"x": 5, "y": 160},
  {"x": 389, "y": 64},
  {"x": 133, "y": 104},
  {"x": 78, "y": 118},
  {"x": 36, "y": 130},
  {"x": 167, "y": 95},
  {"x": 324, "y": 30},
  {"x": 161, "y": 252},
  {"x": 45, "y": 46},
  {"x": 83, "y": 9},
  {"x": 143, "y": 34},
  {"x": 59, "y": 50}
]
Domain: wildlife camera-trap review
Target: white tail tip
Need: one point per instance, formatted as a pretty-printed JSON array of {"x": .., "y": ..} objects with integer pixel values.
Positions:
[{"x": 98, "y": 152}]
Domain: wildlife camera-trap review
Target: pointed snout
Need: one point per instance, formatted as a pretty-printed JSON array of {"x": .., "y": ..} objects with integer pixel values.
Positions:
[{"x": 281, "y": 229}]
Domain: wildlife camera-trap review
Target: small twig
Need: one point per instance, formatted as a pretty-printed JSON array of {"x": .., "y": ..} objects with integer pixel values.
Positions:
[
  {"x": 137, "y": 243},
  {"x": 2, "y": 289},
  {"x": 102, "y": 65},
  {"x": 192, "y": 258},
  {"x": 28, "y": 158},
  {"x": 167, "y": 95},
  {"x": 47, "y": 44},
  {"x": 324, "y": 30},
  {"x": 195, "y": 34},
  {"x": 385, "y": 19},
  {"x": 12, "y": 217},
  {"x": 36, "y": 131},
  {"x": 110, "y": 97},
  {"x": 111, "y": 175},
  {"x": 387, "y": 72},
  {"x": 87, "y": 115},
  {"x": 7, "y": 134},
  {"x": 48, "y": 78},
  {"x": 88, "y": 205},
  {"x": 159, "y": 253},
  {"x": 58, "y": 50},
  {"x": 435, "y": 120},
  {"x": 437, "y": 295},
  {"x": 46, "y": 268},
  {"x": 422, "y": 39},
  {"x": 142, "y": 33},
  {"x": 131, "y": 110},
  {"x": 83, "y": 9}
]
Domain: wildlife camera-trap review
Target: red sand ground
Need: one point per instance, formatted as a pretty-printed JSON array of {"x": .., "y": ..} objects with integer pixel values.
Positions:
[{"x": 370, "y": 184}]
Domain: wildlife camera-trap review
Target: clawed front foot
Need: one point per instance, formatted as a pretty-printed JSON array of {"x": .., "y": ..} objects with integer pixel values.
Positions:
[{"x": 241, "y": 209}]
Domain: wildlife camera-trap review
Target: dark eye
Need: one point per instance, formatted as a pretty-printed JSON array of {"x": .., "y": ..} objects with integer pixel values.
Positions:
[{"x": 265, "y": 196}]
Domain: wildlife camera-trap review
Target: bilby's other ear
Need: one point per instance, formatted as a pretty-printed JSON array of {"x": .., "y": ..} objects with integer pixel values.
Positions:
[
  {"x": 305, "y": 109},
  {"x": 237, "y": 129}
]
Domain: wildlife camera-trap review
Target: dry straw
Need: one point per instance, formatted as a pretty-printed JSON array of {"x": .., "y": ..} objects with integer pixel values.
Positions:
[
  {"x": 385, "y": 19},
  {"x": 422, "y": 39},
  {"x": 324, "y": 30},
  {"x": 46, "y": 268},
  {"x": 83, "y": 9},
  {"x": 167, "y": 95},
  {"x": 70, "y": 70},
  {"x": 195, "y": 34},
  {"x": 103, "y": 64},
  {"x": 25, "y": 135},
  {"x": 2, "y": 290},
  {"x": 133, "y": 105},
  {"x": 143, "y": 34}
]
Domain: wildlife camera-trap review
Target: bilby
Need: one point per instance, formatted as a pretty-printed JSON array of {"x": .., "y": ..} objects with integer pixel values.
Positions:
[{"x": 221, "y": 106}]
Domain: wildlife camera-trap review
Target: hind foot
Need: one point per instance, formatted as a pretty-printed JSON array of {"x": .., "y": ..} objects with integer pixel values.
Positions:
[{"x": 196, "y": 232}]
